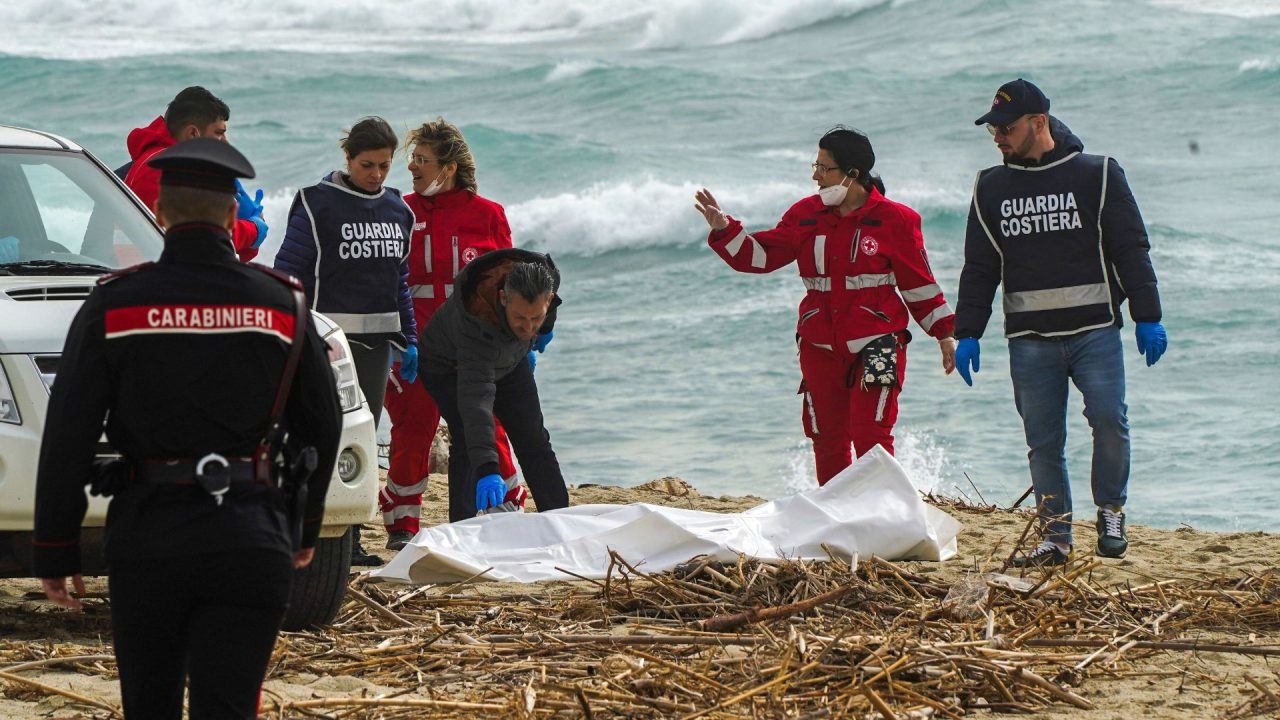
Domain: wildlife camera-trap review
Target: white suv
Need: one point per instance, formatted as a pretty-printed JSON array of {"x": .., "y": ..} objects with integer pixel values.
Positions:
[{"x": 66, "y": 219}]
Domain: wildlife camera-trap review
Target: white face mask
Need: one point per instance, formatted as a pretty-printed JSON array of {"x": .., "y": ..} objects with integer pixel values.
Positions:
[
  {"x": 436, "y": 186},
  {"x": 834, "y": 194}
]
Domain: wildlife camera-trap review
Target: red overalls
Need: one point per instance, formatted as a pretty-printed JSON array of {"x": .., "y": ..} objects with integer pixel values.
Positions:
[
  {"x": 858, "y": 270},
  {"x": 450, "y": 230}
]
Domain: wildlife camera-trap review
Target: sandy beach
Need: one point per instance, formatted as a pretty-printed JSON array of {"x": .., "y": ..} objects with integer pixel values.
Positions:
[{"x": 1148, "y": 684}]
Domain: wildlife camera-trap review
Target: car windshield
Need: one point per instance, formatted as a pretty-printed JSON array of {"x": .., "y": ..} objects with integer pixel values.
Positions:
[{"x": 61, "y": 213}]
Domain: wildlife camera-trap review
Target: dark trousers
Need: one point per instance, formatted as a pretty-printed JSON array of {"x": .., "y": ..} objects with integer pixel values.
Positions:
[
  {"x": 208, "y": 619},
  {"x": 373, "y": 365},
  {"x": 516, "y": 406}
]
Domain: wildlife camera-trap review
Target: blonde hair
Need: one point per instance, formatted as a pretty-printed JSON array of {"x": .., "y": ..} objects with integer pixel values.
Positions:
[{"x": 446, "y": 142}]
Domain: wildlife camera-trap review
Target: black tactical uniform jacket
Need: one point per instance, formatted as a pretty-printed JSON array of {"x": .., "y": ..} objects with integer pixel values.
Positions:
[{"x": 181, "y": 358}]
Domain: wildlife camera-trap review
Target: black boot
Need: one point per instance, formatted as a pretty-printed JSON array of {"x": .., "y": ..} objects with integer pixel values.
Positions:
[{"x": 361, "y": 557}]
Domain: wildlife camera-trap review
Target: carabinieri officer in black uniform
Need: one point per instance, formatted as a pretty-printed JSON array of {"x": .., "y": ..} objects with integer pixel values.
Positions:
[{"x": 200, "y": 365}]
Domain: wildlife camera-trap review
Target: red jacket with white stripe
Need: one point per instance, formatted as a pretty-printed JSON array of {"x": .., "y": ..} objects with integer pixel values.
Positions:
[
  {"x": 863, "y": 272},
  {"x": 144, "y": 181},
  {"x": 450, "y": 229}
]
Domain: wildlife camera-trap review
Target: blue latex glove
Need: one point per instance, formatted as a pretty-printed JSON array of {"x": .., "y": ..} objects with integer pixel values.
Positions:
[
  {"x": 490, "y": 490},
  {"x": 409, "y": 364},
  {"x": 542, "y": 341},
  {"x": 262, "y": 230},
  {"x": 1152, "y": 341},
  {"x": 968, "y": 352},
  {"x": 247, "y": 207},
  {"x": 533, "y": 361},
  {"x": 9, "y": 247}
]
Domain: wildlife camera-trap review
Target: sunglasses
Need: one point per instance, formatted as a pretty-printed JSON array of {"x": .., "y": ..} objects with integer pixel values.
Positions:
[{"x": 1005, "y": 129}]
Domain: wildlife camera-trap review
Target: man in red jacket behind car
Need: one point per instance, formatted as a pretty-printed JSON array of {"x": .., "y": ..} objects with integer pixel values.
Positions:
[{"x": 194, "y": 112}]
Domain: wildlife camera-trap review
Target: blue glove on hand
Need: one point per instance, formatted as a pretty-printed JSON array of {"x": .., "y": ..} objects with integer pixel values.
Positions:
[
  {"x": 540, "y": 344},
  {"x": 968, "y": 352},
  {"x": 247, "y": 207},
  {"x": 533, "y": 361},
  {"x": 1152, "y": 341},
  {"x": 262, "y": 230},
  {"x": 409, "y": 364},
  {"x": 490, "y": 490},
  {"x": 9, "y": 249}
]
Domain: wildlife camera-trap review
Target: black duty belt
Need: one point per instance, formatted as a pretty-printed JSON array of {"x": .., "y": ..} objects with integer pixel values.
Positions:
[{"x": 213, "y": 472}]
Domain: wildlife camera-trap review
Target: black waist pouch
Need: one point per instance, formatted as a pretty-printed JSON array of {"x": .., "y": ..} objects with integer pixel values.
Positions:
[{"x": 878, "y": 363}]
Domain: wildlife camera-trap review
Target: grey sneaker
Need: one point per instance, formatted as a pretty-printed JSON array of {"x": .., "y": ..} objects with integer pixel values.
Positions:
[
  {"x": 1112, "y": 542},
  {"x": 397, "y": 539},
  {"x": 1046, "y": 554}
]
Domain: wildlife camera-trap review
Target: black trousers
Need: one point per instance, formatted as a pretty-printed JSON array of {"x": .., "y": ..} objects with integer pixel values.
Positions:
[
  {"x": 516, "y": 406},
  {"x": 373, "y": 366},
  {"x": 211, "y": 619}
]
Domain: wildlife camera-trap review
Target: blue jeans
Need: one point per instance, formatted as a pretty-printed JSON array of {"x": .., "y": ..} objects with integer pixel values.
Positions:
[{"x": 1094, "y": 361}]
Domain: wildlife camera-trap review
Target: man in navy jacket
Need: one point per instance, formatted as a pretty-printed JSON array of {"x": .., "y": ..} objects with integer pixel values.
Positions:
[{"x": 1061, "y": 230}]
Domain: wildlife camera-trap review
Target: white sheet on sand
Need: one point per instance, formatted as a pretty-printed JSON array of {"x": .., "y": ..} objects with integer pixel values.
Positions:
[{"x": 871, "y": 508}]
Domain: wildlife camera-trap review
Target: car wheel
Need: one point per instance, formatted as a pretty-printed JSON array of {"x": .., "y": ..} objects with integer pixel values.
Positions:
[{"x": 319, "y": 588}]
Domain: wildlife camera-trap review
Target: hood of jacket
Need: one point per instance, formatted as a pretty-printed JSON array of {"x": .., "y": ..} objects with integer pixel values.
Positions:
[
  {"x": 145, "y": 141},
  {"x": 1065, "y": 142},
  {"x": 479, "y": 282}
]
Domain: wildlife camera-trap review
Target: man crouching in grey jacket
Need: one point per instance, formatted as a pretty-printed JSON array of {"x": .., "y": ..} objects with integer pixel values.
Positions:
[{"x": 476, "y": 367}]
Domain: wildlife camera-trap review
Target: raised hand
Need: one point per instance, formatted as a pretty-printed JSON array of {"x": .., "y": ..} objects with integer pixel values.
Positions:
[{"x": 706, "y": 204}]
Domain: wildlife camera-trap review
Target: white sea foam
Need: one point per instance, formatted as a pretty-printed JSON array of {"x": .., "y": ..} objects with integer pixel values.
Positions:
[
  {"x": 570, "y": 69},
  {"x": 787, "y": 154},
  {"x": 649, "y": 212},
  {"x": 1260, "y": 65},
  {"x": 275, "y": 212},
  {"x": 721, "y": 22},
  {"x": 1233, "y": 8},
  {"x": 90, "y": 29},
  {"x": 635, "y": 214},
  {"x": 920, "y": 454}
]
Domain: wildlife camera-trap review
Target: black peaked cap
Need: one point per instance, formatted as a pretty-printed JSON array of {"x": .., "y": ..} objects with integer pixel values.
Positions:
[{"x": 202, "y": 163}]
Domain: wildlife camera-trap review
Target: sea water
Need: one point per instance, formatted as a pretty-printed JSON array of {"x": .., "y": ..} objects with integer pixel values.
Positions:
[{"x": 594, "y": 121}]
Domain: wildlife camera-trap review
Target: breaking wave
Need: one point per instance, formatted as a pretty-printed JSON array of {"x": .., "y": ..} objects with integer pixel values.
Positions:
[{"x": 88, "y": 29}]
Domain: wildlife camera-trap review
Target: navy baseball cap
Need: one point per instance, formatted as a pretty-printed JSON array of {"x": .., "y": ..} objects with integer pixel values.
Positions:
[{"x": 1013, "y": 100}]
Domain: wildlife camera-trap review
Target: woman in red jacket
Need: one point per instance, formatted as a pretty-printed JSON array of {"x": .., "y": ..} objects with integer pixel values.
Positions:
[
  {"x": 861, "y": 257},
  {"x": 452, "y": 226}
]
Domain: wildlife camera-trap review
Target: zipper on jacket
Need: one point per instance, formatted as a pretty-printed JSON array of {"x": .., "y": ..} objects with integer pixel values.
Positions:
[
  {"x": 877, "y": 313},
  {"x": 426, "y": 250},
  {"x": 455, "y": 256},
  {"x": 807, "y": 315},
  {"x": 857, "y": 237}
]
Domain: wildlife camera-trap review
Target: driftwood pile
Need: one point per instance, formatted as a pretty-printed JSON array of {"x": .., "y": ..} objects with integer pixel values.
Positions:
[
  {"x": 796, "y": 640},
  {"x": 749, "y": 640}
]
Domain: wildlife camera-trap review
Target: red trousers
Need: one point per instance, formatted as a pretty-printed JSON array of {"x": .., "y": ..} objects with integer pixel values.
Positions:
[
  {"x": 414, "y": 419},
  {"x": 837, "y": 416}
]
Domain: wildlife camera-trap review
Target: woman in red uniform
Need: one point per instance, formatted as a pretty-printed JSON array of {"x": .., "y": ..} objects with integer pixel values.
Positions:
[
  {"x": 452, "y": 226},
  {"x": 861, "y": 257}
]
